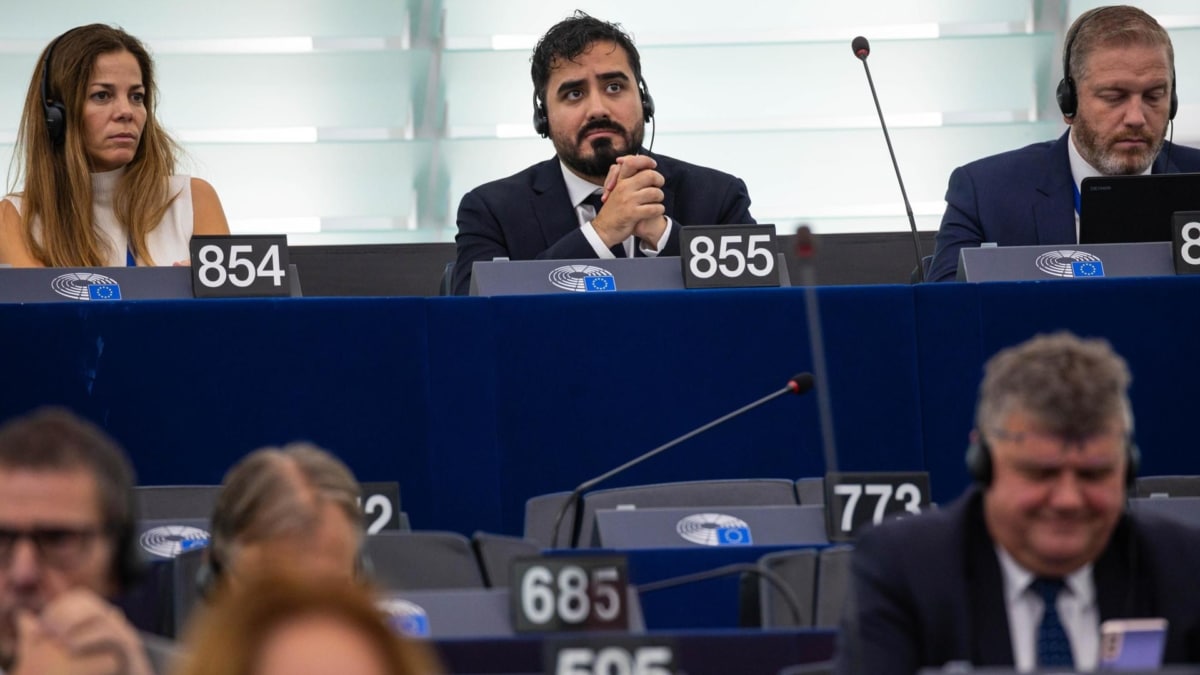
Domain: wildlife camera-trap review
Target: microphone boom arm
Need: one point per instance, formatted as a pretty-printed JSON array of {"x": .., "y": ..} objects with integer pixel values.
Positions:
[{"x": 798, "y": 384}]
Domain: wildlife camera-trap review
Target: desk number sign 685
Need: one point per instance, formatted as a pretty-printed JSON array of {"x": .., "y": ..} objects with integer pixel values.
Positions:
[{"x": 551, "y": 594}]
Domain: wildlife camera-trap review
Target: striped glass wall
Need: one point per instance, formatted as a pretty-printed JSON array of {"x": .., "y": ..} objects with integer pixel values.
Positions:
[{"x": 365, "y": 121}]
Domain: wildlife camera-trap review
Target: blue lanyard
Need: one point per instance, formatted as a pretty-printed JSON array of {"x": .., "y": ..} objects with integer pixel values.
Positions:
[
  {"x": 1078, "y": 199},
  {"x": 130, "y": 262}
]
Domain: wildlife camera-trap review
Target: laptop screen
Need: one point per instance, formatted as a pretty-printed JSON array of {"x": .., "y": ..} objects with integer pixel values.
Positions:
[{"x": 1123, "y": 209}]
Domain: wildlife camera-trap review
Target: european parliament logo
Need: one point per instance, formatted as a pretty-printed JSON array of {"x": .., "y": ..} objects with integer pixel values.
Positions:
[
  {"x": 599, "y": 284},
  {"x": 734, "y": 536},
  {"x": 582, "y": 278},
  {"x": 1091, "y": 268},
  {"x": 1070, "y": 264},
  {"x": 714, "y": 529},
  {"x": 86, "y": 286},
  {"x": 104, "y": 292},
  {"x": 407, "y": 617},
  {"x": 168, "y": 541}
]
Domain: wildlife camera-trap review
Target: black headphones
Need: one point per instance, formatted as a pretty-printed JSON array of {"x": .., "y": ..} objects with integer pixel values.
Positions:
[
  {"x": 1066, "y": 93},
  {"x": 541, "y": 120},
  {"x": 979, "y": 462},
  {"x": 127, "y": 562},
  {"x": 55, "y": 111}
]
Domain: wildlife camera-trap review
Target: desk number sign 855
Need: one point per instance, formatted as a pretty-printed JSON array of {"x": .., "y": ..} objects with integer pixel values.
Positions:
[{"x": 721, "y": 256}]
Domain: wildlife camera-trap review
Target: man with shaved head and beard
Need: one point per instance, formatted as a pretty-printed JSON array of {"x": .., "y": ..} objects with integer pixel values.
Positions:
[
  {"x": 603, "y": 195},
  {"x": 1118, "y": 96}
]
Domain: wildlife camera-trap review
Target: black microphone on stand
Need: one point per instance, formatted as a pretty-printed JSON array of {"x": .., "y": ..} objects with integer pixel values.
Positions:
[
  {"x": 862, "y": 49},
  {"x": 798, "y": 384}
]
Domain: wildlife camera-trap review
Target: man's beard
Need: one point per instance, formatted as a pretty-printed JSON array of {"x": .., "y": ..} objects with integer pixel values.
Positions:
[
  {"x": 1109, "y": 161},
  {"x": 604, "y": 152}
]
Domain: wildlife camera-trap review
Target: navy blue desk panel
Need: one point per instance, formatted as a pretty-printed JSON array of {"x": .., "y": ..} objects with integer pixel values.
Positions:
[
  {"x": 710, "y": 652},
  {"x": 1152, "y": 323},
  {"x": 712, "y": 603},
  {"x": 190, "y": 386},
  {"x": 584, "y": 384},
  {"x": 476, "y": 404}
]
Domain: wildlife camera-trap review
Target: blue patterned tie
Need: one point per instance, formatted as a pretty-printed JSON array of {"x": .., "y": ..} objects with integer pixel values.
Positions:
[
  {"x": 593, "y": 200},
  {"x": 1053, "y": 645}
]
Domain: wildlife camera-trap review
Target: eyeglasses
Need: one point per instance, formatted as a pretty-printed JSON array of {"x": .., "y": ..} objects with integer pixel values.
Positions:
[{"x": 61, "y": 547}]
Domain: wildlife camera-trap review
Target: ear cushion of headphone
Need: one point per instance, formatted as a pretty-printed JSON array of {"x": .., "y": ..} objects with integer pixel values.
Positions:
[
  {"x": 56, "y": 120},
  {"x": 647, "y": 104},
  {"x": 541, "y": 121},
  {"x": 363, "y": 567},
  {"x": 979, "y": 462},
  {"x": 128, "y": 561},
  {"x": 1065, "y": 95},
  {"x": 1133, "y": 465},
  {"x": 208, "y": 575},
  {"x": 1174, "y": 99}
]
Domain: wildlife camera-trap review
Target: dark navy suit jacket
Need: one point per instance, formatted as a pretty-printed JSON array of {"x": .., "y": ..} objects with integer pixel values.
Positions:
[
  {"x": 1021, "y": 198},
  {"x": 529, "y": 215},
  {"x": 928, "y": 590}
]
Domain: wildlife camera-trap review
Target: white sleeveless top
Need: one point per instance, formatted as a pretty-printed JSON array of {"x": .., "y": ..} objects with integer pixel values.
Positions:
[{"x": 167, "y": 242}]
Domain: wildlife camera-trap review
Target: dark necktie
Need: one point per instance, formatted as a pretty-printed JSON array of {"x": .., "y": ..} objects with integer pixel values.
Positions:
[
  {"x": 1053, "y": 645},
  {"x": 593, "y": 200}
]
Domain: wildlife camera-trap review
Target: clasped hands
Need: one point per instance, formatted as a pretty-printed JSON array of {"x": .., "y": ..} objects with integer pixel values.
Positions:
[
  {"x": 77, "y": 634},
  {"x": 632, "y": 202}
]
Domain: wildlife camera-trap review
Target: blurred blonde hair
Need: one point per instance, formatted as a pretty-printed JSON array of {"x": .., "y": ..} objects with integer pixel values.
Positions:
[
  {"x": 279, "y": 491},
  {"x": 227, "y": 638}
]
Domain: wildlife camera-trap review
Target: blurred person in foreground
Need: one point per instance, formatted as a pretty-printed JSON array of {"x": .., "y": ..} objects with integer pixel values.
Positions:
[
  {"x": 1025, "y": 566},
  {"x": 99, "y": 183},
  {"x": 285, "y": 625},
  {"x": 66, "y": 550},
  {"x": 295, "y": 507}
]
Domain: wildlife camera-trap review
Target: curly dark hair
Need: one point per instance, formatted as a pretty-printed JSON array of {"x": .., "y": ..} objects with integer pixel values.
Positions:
[{"x": 570, "y": 38}]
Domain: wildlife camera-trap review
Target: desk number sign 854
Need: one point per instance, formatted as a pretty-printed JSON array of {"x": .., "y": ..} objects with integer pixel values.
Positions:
[{"x": 229, "y": 266}]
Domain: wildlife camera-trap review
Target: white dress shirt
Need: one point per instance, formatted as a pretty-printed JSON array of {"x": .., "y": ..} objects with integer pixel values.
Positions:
[
  {"x": 1077, "y": 610},
  {"x": 578, "y": 190}
]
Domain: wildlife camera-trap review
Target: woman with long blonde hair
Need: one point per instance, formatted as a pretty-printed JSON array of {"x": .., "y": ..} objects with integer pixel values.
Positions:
[{"x": 99, "y": 185}]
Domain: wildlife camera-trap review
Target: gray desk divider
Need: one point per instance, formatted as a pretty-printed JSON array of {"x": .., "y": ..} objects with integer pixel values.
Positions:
[
  {"x": 527, "y": 277},
  {"x": 103, "y": 284},
  {"x": 1066, "y": 261},
  {"x": 70, "y": 284},
  {"x": 1183, "y": 509},
  {"x": 710, "y": 526},
  {"x": 476, "y": 612}
]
